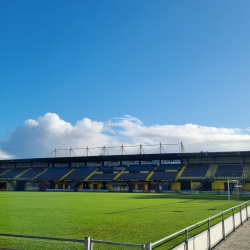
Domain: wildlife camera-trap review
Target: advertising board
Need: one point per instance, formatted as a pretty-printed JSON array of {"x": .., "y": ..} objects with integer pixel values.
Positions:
[
  {"x": 60, "y": 190},
  {"x": 209, "y": 192},
  {"x": 188, "y": 192},
  {"x": 92, "y": 190}
]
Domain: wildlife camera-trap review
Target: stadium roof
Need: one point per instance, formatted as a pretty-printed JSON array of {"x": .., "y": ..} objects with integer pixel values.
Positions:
[{"x": 134, "y": 157}]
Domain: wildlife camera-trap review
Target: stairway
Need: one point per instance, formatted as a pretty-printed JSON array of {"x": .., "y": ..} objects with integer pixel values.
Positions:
[
  {"x": 246, "y": 172},
  {"x": 248, "y": 175},
  {"x": 67, "y": 174},
  {"x": 90, "y": 175},
  {"x": 150, "y": 174},
  {"x": 40, "y": 173},
  {"x": 209, "y": 171},
  {"x": 119, "y": 174},
  {"x": 5, "y": 172},
  {"x": 25, "y": 171},
  {"x": 213, "y": 172},
  {"x": 180, "y": 173},
  {"x": 13, "y": 185}
]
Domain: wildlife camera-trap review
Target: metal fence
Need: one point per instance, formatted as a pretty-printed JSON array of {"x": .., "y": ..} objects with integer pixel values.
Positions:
[
  {"x": 91, "y": 244},
  {"x": 37, "y": 242},
  {"x": 207, "y": 233}
]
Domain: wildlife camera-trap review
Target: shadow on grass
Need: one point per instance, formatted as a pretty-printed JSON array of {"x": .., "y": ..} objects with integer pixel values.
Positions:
[
  {"x": 204, "y": 197},
  {"x": 159, "y": 205}
]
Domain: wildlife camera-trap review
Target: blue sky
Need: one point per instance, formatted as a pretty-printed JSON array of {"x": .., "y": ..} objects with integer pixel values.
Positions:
[{"x": 163, "y": 62}]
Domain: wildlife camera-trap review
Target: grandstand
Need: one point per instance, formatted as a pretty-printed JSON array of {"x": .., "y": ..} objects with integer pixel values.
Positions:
[{"x": 160, "y": 172}]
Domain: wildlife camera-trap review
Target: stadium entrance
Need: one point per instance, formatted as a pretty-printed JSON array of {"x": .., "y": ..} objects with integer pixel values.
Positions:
[{"x": 2, "y": 185}]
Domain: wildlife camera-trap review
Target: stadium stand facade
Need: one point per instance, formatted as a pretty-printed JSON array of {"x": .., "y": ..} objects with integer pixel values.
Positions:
[{"x": 143, "y": 172}]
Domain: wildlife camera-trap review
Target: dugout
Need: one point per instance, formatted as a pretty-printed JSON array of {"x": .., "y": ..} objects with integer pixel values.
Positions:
[
  {"x": 154, "y": 186},
  {"x": 186, "y": 185},
  {"x": 138, "y": 186},
  {"x": 3, "y": 184},
  {"x": 20, "y": 185},
  {"x": 62, "y": 185},
  {"x": 46, "y": 185},
  {"x": 207, "y": 186}
]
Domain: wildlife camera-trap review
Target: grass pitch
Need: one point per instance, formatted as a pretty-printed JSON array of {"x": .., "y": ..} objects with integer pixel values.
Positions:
[{"x": 123, "y": 217}]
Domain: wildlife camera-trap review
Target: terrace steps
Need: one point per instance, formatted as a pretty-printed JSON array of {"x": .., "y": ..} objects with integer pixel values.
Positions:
[
  {"x": 246, "y": 172},
  {"x": 119, "y": 174},
  {"x": 150, "y": 174},
  {"x": 5, "y": 172},
  {"x": 67, "y": 174},
  {"x": 90, "y": 175},
  {"x": 13, "y": 185},
  {"x": 180, "y": 173},
  {"x": 25, "y": 171},
  {"x": 209, "y": 171},
  {"x": 248, "y": 175},
  {"x": 40, "y": 173},
  {"x": 213, "y": 172}
]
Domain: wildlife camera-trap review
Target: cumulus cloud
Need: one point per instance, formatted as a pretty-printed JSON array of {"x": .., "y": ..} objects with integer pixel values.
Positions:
[
  {"x": 37, "y": 138},
  {"x": 4, "y": 155}
]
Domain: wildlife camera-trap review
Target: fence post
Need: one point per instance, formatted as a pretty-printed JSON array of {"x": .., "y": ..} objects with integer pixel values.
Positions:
[
  {"x": 87, "y": 243},
  {"x": 148, "y": 246},
  {"x": 246, "y": 211},
  {"x": 223, "y": 227},
  {"x": 240, "y": 215},
  {"x": 209, "y": 236},
  {"x": 186, "y": 233},
  {"x": 233, "y": 220}
]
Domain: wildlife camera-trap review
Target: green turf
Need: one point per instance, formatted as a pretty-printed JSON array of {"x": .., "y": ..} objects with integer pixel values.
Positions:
[{"x": 123, "y": 217}]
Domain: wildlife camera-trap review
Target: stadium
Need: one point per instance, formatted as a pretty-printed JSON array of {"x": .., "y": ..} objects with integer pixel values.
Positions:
[
  {"x": 123, "y": 201},
  {"x": 203, "y": 171}
]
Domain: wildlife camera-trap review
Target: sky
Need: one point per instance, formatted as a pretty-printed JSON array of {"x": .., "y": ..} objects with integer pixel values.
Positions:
[{"x": 92, "y": 73}]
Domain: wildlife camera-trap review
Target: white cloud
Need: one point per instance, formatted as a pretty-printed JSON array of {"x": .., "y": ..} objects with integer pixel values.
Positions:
[
  {"x": 37, "y": 138},
  {"x": 4, "y": 155}
]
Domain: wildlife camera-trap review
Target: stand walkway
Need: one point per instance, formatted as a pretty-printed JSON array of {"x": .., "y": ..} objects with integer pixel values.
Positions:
[{"x": 238, "y": 240}]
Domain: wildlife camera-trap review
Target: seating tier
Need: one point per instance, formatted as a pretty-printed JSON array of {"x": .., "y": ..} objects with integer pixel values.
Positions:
[
  {"x": 195, "y": 170},
  {"x": 32, "y": 173},
  {"x": 162, "y": 175},
  {"x": 2, "y": 170},
  {"x": 14, "y": 172},
  {"x": 104, "y": 177},
  {"x": 133, "y": 176},
  {"x": 53, "y": 174},
  {"x": 79, "y": 174},
  {"x": 169, "y": 167},
  {"x": 225, "y": 171},
  {"x": 138, "y": 168}
]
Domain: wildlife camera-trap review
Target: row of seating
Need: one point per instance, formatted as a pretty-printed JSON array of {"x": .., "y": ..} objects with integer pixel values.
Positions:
[
  {"x": 79, "y": 174},
  {"x": 229, "y": 171},
  {"x": 133, "y": 172},
  {"x": 195, "y": 171}
]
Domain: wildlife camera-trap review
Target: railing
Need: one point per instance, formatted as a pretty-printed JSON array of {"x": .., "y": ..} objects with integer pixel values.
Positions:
[
  {"x": 210, "y": 236},
  {"x": 39, "y": 242},
  {"x": 102, "y": 245},
  {"x": 87, "y": 243}
]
